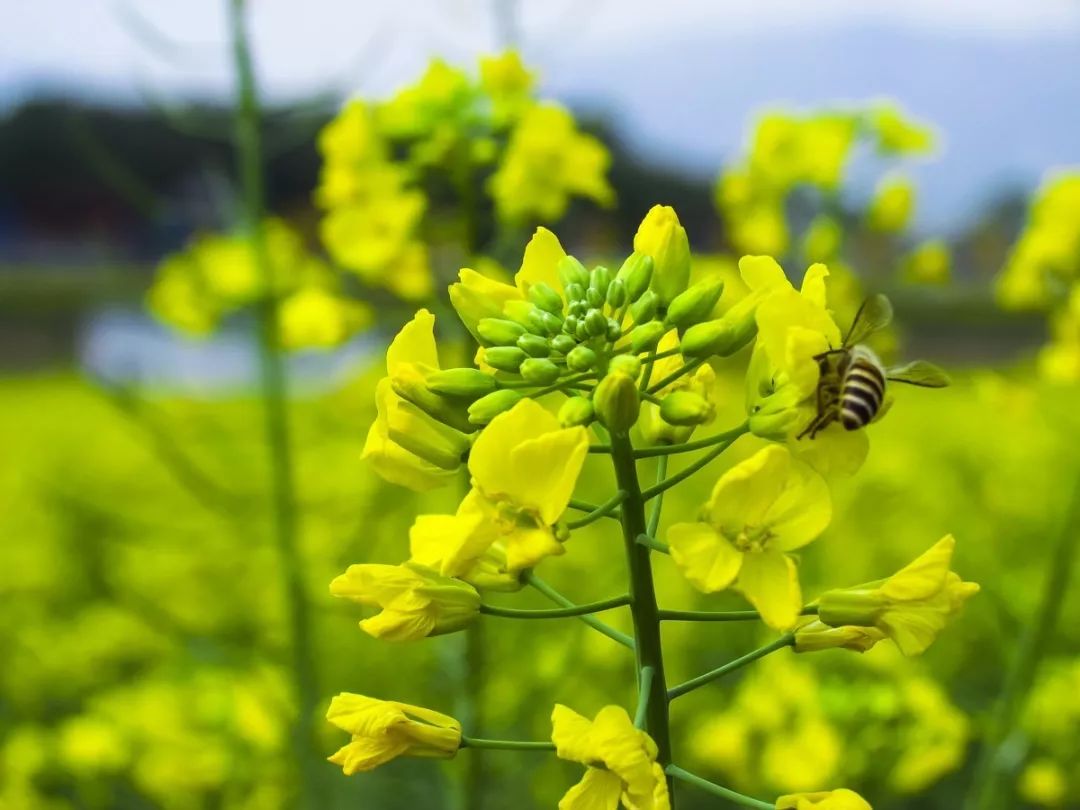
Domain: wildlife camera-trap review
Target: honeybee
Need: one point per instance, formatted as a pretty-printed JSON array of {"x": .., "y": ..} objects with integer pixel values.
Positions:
[{"x": 851, "y": 388}]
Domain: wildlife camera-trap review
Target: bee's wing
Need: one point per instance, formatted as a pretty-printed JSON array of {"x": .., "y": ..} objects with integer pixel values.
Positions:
[
  {"x": 919, "y": 372},
  {"x": 874, "y": 314}
]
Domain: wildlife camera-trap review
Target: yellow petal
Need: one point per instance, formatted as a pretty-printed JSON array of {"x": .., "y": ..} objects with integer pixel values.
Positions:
[
  {"x": 572, "y": 735},
  {"x": 526, "y": 546},
  {"x": 394, "y": 625},
  {"x": 924, "y": 576},
  {"x": 761, "y": 272},
  {"x": 415, "y": 343},
  {"x": 801, "y": 512},
  {"x": 597, "y": 790},
  {"x": 541, "y": 261},
  {"x": 476, "y": 296},
  {"x": 391, "y": 461},
  {"x": 770, "y": 581},
  {"x": 705, "y": 558},
  {"x": 743, "y": 495},
  {"x": 813, "y": 284}
]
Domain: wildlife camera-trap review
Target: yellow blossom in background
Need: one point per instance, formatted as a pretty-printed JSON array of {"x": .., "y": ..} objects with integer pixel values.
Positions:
[
  {"x": 318, "y": 318},
  {"x": 897, "y": 133},
  {"x": 892, "y": 206},
  {"x": 760, "y": 510},
  {"x": 524, "y": 466},
  {"x": 416, "y": 602},
  {"x": 789, "y": 150},
  {"x": 384, "y": 730},
  {"x": 547, "y": 162},
  {"x": 620, "y": 759},
  {"x": 822, "y": 240},
  {"x": 1059, "y": 360},
  {"x": 911, "y": 607},
  {"x": 1043, "y": 782},
  {"x": 842, "y": 799},
  {"x": 405, "y": 445},
  {"x": 508, "y": 83},
  {"x": 928, "y": 263}
]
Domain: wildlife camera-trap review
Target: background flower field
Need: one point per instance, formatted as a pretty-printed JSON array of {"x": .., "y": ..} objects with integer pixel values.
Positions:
[{"x": 147, "y": 639}]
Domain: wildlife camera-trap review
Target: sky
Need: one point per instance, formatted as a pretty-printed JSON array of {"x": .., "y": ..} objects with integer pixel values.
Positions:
[{"x": 681, "y": 79}]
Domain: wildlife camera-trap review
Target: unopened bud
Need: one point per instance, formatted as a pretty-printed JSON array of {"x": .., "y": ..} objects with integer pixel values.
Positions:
[
  {"x": 646, "y": 336},
  {"x": 564, "y": 344},
  {"x": 467, "y": 383},
  {"x": 685, "y": 408},
  {"x": 817, "y": 636},
  {"x": 617, "y": 402},
  {"x": 709, "y": 338},
  {"x": 644, "y": 309},
  {"x": 594, "y": 298},
  {"x": 661, "y": 236},
  {"x": 600, "y": 280},
  {"x": 636, "y": 273},
  {"x": 695, "y": 304},
  {"x": 575, "y": 292},
  {"x": 616, "y": 293},
  {"x": 571, "y": 271},
  {"x": 409, "y": 383},
  {"x": 534, "y": 345},
  {"x": 582, "y": 358},
  {"x": 595, "y": 322},
  {"x": 539, "y": 371},
  {"x": 499, "y": 332},
  {"x": 576, "y": 411},
  {"x": 504, "y": 358},
  {"x": 546, "y": 298},
  {"x": 570, "y": 324},
  {"x": 614, "y": 331},
  {"x": 626, "y": 364},
  {"x": 487, "y": 408},
  {"x": 518, "y": 310}
]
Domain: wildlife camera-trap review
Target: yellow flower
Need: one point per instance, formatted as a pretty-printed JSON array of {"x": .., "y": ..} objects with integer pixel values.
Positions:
[
  {"x": 661, "y": 236},
  {"x": 788, "y": 150},
  {"x": 760, "y": 510},
  {"x": 929, "y": 263},
  {"x": 317, "y": 318},
  {"x": 822, "y": 240},
  {"x": 476, "y": 296},
  {"x": 416, "y": 601},
  {"x": 701, "y": 382},
  {"x": 508, "y": 83},
  {"x": 620, "y": 759},
  {"x": 892, "y": 206},
  {"x": 1044, "y": 782},
  {"x": 383, "y": 730},
  {"x": 433, "y": 537},
  {"x": 405, "y": 445},
  {"x": 547, "y": 161},
  {"x": 842, "y": 799},
  {"x": 440, "y": 96},
  {"x": 816, "y": 635},
  {"x": 897, "y": 134},
  {"x": 911, "y": 607},
  {"x": 524, "y": 467}
]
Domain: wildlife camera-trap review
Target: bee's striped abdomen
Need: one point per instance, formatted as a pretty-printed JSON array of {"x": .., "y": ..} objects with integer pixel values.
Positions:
[{"x": 863, "y": 389}]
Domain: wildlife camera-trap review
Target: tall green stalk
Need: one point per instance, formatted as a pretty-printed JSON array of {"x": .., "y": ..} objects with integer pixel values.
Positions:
[
  {"x": 273, "y": 390},
  {"x": 645, "y": 614}
]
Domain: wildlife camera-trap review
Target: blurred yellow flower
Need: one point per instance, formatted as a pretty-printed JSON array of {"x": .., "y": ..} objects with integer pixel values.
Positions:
[
  {"x": 620, "y": 761},
  {"x": 842, "y": 799},
  {"x": 929, "y": 263},
  {"x": 897, "y": 134},
  {"x": 384, "y": 730},
  {"x": 911, "y": 607},
  {"x": 416, "y": 601},
  {"x": 548, "y": 161},
  {"x": 508, "y": 83},
  {"x": 318, "y": 318},
  {"x": 1043, "y": 782},
  {"x": 760, "y": 510}
]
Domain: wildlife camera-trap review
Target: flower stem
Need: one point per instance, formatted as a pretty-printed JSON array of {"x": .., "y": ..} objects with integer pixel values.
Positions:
[
  {"x": 592, "y": 621},
  {"x": 507, "y": 745},
  {"x": 658, "y": 504},
  {"x": 556, "y": 613},
  {"x": 605, "y": 509},
  {"x": 653, "y": 543},
  {"x": 717, "y": 790},
  {"x": 643, "y": 696},
  {"x": 273, "y": 386},
  {"x": 700, "y": 444},
  {"x": 785, "y": 640},
  {"x": 682, "y": 475},
  {"x": 721, "y": 616},
  {"x": 646, "y": 619},
  {"x": 673, "y": 376}
]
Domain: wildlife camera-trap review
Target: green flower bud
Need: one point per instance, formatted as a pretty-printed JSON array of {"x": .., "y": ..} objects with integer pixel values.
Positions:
[
  {"x": 546, "y": 298},
  {"x": 575, "y": 292},
  {"x": 518, "y": 311},
  {"x": 636, "y": 273},
  {"x": 617, "y": 402},
  {"x": 685, "y": 408},
  {"x": 570, "y": 325},
  {"x": 581, "y": 358},
  {"x": 595, "y": 322},
  {"x": 662, "y": 236},
  {"x": 579, "y": 308},
  {"x": 616, "y": 293},
  {"x": 539, "y": 371},
  {"x": 626, "y": 364},
  {"x": 614, "y": 331},
  {"x": 571, "y": 271},
  {"x": 576, "y": 411},
  {"x": 600, "y": 280},
  {"x": 487, "y": 408},
  {"x": 534, "y": 345},
  {"x": 646, "y": 336},
  {"x": 467, "y": 383},
  {"x": 504, "y": 358},
  {"x": 430, "y": 440},
  {"x": 564, "y": 344},
  {"x": 582, "y": 333},
  {"x": 721, "y": 337},
  {"x": 499, "y": 332},
  {"x": 595, "y": 298},
  {"x": 410, "y": 385},
  {"x": 695, "y": 304},
  {"x": 644, "y": 309},
  {"x": 552, "y": 323}
]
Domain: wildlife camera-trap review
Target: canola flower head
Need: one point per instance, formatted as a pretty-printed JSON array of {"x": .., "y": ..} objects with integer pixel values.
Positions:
[
  {"x": 383, "y": 730},
  {"x": 760, "y": 510},
  {"x": 841, "y": 799},
  {"x": 911, "y": 607},
  {"x": 620, "y": 760},
  {"x": 416, "y": 601}
]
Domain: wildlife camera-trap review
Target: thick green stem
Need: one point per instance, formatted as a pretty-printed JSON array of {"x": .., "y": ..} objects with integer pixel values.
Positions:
[
  {"x": 646, "y": 618},
  {"x": 785, "y": 640},
  {"x": 717, "y": 790},
  {"x": 556, "y": 613},
  {"x": 987, "y": 792},
  {"x": 274, "y": 395}
]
